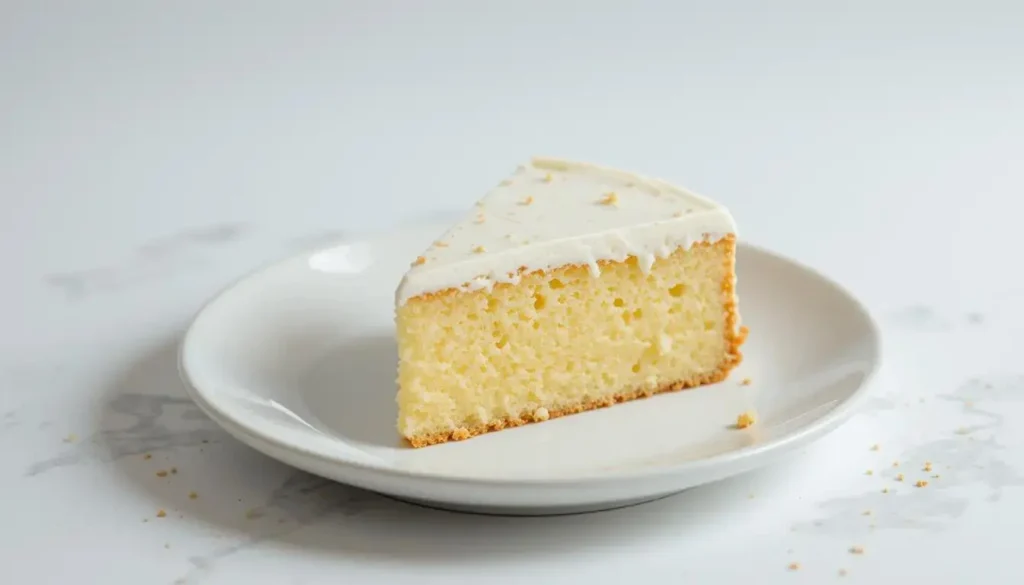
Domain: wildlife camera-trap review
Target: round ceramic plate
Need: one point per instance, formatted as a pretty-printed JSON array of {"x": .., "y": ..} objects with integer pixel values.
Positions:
[{"x": 298, "y": 360}]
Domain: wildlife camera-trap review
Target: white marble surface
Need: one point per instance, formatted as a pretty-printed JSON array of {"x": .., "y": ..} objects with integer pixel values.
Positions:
[{"x": 152, "y": 152}]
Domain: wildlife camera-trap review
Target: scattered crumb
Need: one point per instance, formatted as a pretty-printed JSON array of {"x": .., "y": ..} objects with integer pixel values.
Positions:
[
  {"x": 527, "y": 201},
  {"x": 161, "y": 473},
  {"x": 440, "y": 244},
  {"x": 885, "y": 490},
  {"x": 876, "y": 447},
  {"x": 677, "y": 214},
  {"x": 479, "y": 250},
  {"x": 419, "y": 260},
  {"x": 899, "y": 477},
  {"x": 745, "y": 382},
  {"x": 869, "y": 472},
  {"x": 548, "y": 178},
  {"x": 192, "y": 495},
  {"x": 866, "y": 513},
  {"x": 480, "y": 219},
  {"x": 895, "y": 463},
  {"x": 744, "y": 420},
  {"x": 506, "y": 183},
  {"x": 921, "y": 483},
  {"x": 857, "y": 550},
  {"x": 161, "y": 513},
  {"x": 794, "y": 566},
  {"x": 71, "y": 438},
  {"x": 842, "y": 572},
  {"x": 610, "y": 198},
  {"x": 927, "y": 466},
  {"x": 147, "y": 456}
]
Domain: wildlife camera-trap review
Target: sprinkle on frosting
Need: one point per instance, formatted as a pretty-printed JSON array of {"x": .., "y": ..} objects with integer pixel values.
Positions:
[{"x": 610, "y": 198}]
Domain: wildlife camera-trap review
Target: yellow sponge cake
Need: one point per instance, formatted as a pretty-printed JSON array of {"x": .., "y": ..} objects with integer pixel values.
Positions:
[{"x": 569, "y": 287}]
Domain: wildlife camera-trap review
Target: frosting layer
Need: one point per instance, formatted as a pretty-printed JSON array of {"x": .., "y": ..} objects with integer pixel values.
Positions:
[{"x": 551, "y": 213}]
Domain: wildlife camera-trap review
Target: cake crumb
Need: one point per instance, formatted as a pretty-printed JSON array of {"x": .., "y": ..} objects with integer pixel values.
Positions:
[
  {"x": 745, "y": 419},
  {"x": 460, "y": 434},
  {"x": 869, "y": 472},
  {"x": 866, "y": 513},
  {"x": 927, "y": 466},
  {"x": 161, "y": 513},
  {"x": 541, "y": 414},
  {"x": 505, "y": 183},
  {"x": 440, "y": 244},
  {"x": 161, "y": 473},
  {"x": 899, "y": 477},
  {"x": 611, "y": 199},
  {"x": 745, "y": 382},
  {"x": 419, "y": 260},
  {"x": 147, "y": 457},
  {"x": 192, "y": 495},
  {"x": 842, "y": 572},
  {"x": 548, "y": 178},
  {"x": 677, "y": 214},
  {"x": 921, "y": 483},
  {"x": 480, "y": 219},
  {"x": 527, "y": 201},
  {"x": 885, "y": 490},
  {"x": 876, "y": 447},
  {"x": 857, "y": 550},
  {"x": 794, "y": 566},
  {"x": 895, "y": 463},
  {"x": 479, "y": 250}
]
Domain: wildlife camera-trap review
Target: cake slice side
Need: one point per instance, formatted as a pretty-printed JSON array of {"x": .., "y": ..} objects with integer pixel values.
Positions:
[{"x": 565, "y": 340}]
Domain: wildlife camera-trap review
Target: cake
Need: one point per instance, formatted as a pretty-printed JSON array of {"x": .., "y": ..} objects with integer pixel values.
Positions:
[{"x": 569, "y": 287}]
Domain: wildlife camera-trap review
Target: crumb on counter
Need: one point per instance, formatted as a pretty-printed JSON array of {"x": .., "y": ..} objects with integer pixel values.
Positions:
[
  {"x": 161, "y": 473},
  {"x": 745, "y": 382},
  {"x": 745, "y": 420},
  {"x": 548, "y": 178},
  {"x": 71, "y": 438},
  {"x": 192, "y": 495},
  {"x": 869, "y": 472},
  {"x": 527, "y": 201},
  {"x": 857, "y": 549},
  {"x": 147, "y": 457},
  {"x": 793, "y": 566},
  {"x": 899, "y": 477},
  {"x": 161, "y": 513},
  {"x": 479, "y": 250},
  {"x": 876, "y": 447},
  {"x": 440, "y": 244},
  {"x": 419, "y": 260},
  {"x": 921, "y": 483},
  {"x": 610, "y": 198}
]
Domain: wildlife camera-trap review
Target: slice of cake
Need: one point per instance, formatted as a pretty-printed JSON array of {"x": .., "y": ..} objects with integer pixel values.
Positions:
[{"x": 569, "y": 287}]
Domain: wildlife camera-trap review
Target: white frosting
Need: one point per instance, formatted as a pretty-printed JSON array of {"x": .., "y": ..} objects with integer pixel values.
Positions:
[{"x": 551, "y": 213}]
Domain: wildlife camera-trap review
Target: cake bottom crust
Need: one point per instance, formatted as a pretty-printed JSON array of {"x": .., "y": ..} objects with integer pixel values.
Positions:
[{"x": 733, "y": 359}]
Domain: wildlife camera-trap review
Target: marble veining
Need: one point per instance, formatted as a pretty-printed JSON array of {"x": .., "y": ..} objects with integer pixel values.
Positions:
[{"x": 158, "y": 259}]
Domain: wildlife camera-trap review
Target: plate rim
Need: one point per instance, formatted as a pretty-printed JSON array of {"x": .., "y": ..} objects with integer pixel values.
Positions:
[{"x": 248, "y": 435}]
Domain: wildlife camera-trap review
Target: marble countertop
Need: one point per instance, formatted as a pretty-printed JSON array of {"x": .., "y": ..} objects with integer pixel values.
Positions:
[{"x": 152, "y": 153}]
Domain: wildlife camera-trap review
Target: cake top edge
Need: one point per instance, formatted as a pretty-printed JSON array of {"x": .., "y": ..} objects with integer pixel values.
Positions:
[{"x": 553, "y": 212}]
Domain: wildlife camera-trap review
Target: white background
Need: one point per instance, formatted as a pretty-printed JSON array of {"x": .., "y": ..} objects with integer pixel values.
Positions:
[{"x": 152, "y": 152}]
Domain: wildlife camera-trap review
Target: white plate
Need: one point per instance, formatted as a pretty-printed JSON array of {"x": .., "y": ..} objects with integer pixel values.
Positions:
[{"x": 298, "y": 361}]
